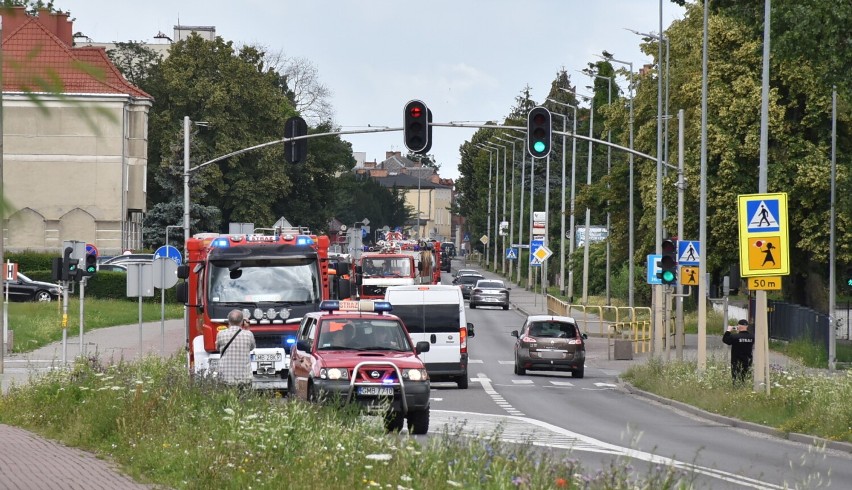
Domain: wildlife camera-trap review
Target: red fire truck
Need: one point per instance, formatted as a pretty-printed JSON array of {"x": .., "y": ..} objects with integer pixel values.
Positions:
[
  {"x": 275, "y": 279},
  {"x": 383, "y": 268}
]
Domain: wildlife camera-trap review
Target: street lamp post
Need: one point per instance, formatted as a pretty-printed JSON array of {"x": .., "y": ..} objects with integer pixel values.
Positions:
[
  {"x": 630, "y": 251},
  {"x": 608, "y": 170},
  {"x": 488, "y": 220},
  {"x": 512, "y": 205},
  {"x": 588, "y": 210},
  {"x": 562, "y": 195},
  {"x": 497, "y": 148},
  {"x": 521, "y": 207},
  {"x": 573, "y": 194}
]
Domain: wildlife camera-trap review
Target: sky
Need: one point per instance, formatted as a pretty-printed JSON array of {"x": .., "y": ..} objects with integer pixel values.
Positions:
[{"x": 466, "y": 59}]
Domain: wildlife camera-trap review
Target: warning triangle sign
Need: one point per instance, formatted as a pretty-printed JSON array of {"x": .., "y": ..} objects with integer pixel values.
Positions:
[
  {"x": 763, "y": 218},
  {"x": 510, "y": 254}
]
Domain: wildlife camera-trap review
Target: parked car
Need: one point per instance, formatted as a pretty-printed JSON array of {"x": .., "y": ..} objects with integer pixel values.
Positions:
[
  {"x": 489, "y": 292},
  {"x": 112, "y": 268},
  {"x": 25, "y": 289},
  {"x": 118, "y": 259},
  {"x": 550, "y": 343},
  {"x": 466, "y": 283}
]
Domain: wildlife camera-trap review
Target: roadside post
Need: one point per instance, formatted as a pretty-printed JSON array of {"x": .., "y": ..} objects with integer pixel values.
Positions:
[
  {"x": 166, "y": 261},
  {"x": 140, "y": 283}
]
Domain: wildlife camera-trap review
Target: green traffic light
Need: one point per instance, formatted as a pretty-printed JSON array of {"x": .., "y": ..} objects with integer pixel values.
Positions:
[
  {"x": 90, "y": 269},
  {"x": 539, "y": 146},
  {"x": 668, "y": 276}
]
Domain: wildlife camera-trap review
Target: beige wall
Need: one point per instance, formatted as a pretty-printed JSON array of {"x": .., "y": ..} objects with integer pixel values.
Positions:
[
  {"x": 64, "y": 167},
  {"x": 435, "y": 207}
]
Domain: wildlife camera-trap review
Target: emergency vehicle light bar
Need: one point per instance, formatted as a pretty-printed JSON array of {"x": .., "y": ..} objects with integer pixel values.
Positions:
[{"x": 361, "y": 305}]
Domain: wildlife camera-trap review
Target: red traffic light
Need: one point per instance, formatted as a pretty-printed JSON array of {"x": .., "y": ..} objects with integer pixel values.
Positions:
[{"x": 415, "y": 111}]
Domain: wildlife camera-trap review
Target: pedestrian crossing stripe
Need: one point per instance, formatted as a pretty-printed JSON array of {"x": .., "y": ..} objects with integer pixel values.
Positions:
[{"x": 763, "y": 215}]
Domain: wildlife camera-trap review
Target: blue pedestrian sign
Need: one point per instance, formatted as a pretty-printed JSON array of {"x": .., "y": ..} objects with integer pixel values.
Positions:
[
  {"x": 534, "y": 245},
  {"x": 653, "y": 269},
  {"x": 688, "y": 252},
  {"x": 466, "y": 237},
  {"x": 511, "y": 253},
  {"x": 763, "y": 215},
  {"x": 170, "y": 252}
]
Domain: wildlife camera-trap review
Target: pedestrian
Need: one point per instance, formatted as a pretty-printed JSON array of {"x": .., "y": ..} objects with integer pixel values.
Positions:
[
  {"x": 235, "y": 344},
  {"x": 742, "y": 345}
]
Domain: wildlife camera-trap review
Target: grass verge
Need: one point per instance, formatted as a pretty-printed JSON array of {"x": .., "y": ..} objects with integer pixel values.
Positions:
[
  {"x": 166, "y": 428},
  {"x": 38, "y": 324},
  {"x": 799, "y": 402}
]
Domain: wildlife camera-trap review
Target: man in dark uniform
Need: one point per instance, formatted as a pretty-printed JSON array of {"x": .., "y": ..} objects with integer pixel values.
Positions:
[{"x": 742, "y": 345}]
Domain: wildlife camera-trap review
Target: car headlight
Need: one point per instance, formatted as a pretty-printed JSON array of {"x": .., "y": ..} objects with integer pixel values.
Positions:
[
  {"x": 415, "y": 374},
  {"x": 334, "y": 373}
]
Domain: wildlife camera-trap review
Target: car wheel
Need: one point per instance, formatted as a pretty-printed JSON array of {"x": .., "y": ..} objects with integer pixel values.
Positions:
[
  {"x": 418, "y": 422},
  {"x": 518, "y": 369},
  {"x": 473, "y": 306},
  {"x": 505, "y": 307},
  {"x": 291, "y": 388},
  {"x": 579, "y": 372},
  {"x": 462, "y": 381},
  {"x": 313, "y": 397},
  {"x": 43, "y": 296},
  {"x": 394, "y": 421}
]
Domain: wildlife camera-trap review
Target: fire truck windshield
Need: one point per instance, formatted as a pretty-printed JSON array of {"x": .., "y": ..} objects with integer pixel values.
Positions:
[
  {"x": 386, "y": 266},
  {"x": 277, "y": 281}
]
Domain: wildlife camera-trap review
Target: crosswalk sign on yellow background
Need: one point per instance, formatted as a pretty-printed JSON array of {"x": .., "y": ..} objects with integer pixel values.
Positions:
[{"x": 764, "y": 247}]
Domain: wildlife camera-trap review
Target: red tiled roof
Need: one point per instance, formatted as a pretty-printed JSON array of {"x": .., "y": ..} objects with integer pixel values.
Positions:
[{"x": 36, "y": 60}]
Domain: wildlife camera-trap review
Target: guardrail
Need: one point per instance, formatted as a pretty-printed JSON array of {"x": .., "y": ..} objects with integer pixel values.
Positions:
[{"x": 613, "y": 322}]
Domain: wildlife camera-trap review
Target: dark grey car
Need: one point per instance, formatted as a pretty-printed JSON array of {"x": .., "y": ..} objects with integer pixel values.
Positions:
[
  {"x": 489, "y": 292},
  {"x": 466, "y": 283},
  {"x": 550, "y": 343}
]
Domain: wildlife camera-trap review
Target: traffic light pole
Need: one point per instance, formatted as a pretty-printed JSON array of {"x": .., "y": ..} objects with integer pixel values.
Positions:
[{"x": 82, "y": 307}]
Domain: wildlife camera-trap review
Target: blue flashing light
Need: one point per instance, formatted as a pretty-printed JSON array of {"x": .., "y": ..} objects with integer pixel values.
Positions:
[
  {"x": 330, "y": 305},
  {"x": 382, "y": 306},
  {"x": 388, "y": 381},
  {"x": 221, "y": 242},
  {"x": 304, "y": 240},
  {"x": 290, "y": 340}
]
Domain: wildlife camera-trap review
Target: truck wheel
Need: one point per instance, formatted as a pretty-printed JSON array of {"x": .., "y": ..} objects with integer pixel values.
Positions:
[
  {"x": 418, "y": 422},
  {"x": 394, "y": 421}
]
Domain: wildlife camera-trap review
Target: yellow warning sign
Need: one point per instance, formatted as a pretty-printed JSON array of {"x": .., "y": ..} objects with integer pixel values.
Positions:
[
  {"x": 764, "y": 283},
  {"x": 764, "y": 247},
  {"x": 764, "y": 254},
  {"x": 688, "y": 275}
]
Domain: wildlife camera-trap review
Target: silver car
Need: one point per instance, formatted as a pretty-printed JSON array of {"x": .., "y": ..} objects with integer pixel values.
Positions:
[{"x": 489, "y": 292}]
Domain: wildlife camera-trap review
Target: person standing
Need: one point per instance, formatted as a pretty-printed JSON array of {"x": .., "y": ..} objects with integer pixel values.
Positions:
[
  {"x": 235, "y": 344},
  {"x": 742, "y": 346}
]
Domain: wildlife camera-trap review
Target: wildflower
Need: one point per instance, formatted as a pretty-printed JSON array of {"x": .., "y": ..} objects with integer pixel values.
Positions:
[
  {"x": 379, "y": 457},
  {"x": 229, "y": 411},
  {"x": 454, "y": 483},
  {"x": 405, "y": 478},
  {"x": 561, "y": 482}
]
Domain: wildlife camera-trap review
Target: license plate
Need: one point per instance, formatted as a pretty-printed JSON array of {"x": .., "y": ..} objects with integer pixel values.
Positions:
[
  {"x": 551, "y": 354},
  {"x": 375, "y": 390},
  {"x": 268, "y": 357},
  {"x": 491, "y": 300}
]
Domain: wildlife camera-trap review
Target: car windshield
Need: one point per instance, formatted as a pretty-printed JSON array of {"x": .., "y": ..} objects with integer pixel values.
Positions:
[
  {"x": 553, "y": 329},
  {"x": 363, "y": 334},
  {"x": 386, "y": 266},
  {"x": 278, "y": 281},
  {"x": 490, "y": 284}
]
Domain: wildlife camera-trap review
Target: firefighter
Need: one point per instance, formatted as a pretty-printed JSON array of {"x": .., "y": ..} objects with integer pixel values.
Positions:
[{"x": 742, "y": 345}]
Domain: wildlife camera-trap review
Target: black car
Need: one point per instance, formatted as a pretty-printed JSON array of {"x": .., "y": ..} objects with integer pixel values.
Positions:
[
  {"x": 466, "y": 283},
  {"x": 25, "y": 289}
]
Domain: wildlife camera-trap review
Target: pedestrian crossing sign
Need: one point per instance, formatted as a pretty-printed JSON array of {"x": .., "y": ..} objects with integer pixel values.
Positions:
[
  {"x": 688, "y": 252},
  {"x": 764, "y": 247},
  {"x": 511, "y": 253}
]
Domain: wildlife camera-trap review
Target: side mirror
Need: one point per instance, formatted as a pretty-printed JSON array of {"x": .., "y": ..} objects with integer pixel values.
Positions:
[
  {"x": 303, "y": 345},
  {"x": 183, "y": 271},
  {"x": 344, "y": 289},
  {"x": 514, "y": 334},
  {"x": 421, "y": 347},
  {"x": 508, "y": 289},
  {"x": 470, "y": 332},
  {"x": 358, "y": 269},
  {"x": 343, "y": 268},
  {"x": 585, "y": 336}
]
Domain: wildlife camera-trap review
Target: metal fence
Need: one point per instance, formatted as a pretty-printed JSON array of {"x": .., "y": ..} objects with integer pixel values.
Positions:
[{"x": 793, "y": 322}]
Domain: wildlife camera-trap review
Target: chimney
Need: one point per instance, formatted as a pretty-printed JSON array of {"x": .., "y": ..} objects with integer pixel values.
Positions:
[
  {"x": 57, "y": 23},
  {"x": 389, "y": 154}
]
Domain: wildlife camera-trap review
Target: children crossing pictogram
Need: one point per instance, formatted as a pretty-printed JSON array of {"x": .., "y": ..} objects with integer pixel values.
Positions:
[{"x": 764, "y": 235}]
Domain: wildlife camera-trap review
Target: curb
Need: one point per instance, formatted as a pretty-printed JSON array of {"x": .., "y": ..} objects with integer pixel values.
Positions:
[{"x": 722, "y": 419}]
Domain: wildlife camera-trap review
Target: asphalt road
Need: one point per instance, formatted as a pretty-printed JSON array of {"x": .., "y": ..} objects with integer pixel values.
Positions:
[{"x": 596, "y": 421}]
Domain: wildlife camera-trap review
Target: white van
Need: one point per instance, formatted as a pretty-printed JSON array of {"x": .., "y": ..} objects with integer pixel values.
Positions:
[{"x": 435, "y": 313}]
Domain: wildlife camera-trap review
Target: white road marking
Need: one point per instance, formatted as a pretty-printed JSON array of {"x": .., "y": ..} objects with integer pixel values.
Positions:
[
  {"x": 562, "y": 383},
  {"x": 520, "y": 429},
  {"x": 523, "y": 381},
  {"x": 475, "y": 361}
]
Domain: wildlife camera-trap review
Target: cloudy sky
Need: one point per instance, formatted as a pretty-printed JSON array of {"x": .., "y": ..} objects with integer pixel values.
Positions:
[{"x": 466, "y": 59}]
